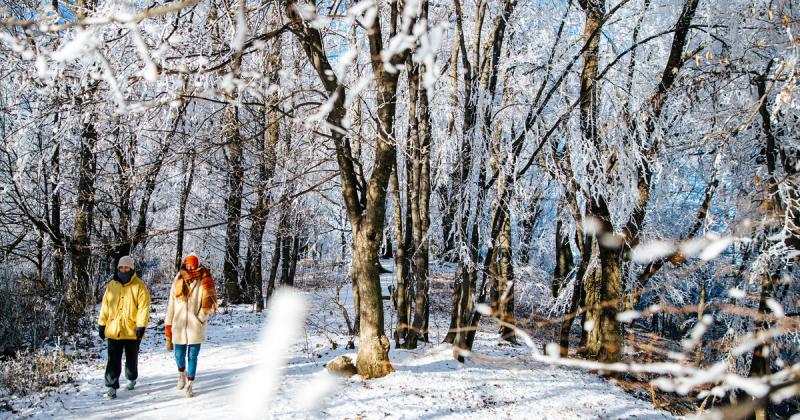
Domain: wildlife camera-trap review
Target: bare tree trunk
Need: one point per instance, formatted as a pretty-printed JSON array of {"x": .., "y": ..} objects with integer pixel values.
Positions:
[
  {"x": 78, "y": 292},
  {"x": 59, "y": 250},
  {"x": 466, "y": 283},
  {"x": 456, "y": 304},
  {"x": 252, "y": 266},
  {"x": 422, "y": 182},
  {"x": 400, "y": 265},
  {"x": 413, "y": 229},
  {"x": 235, "y": 183},
  {"x": 528, "y": 228},
  {"x": 267, "y": 161},
  {"x": 233, "y": 209},
  {"x": 186, "y": 189},
  {"x": 505, "y": 277},
  {"x": 124, "y": 159},
  {"x": 366, "y": 204},
  {"x": 564, "y": 258},
  {"x": 293, "y": 255},
  {"x": 760, "y": 364},
  {"x": 591, "y": 340},
  {"x": 273, "y": 269},
  {"x": 286, "y": 245}
]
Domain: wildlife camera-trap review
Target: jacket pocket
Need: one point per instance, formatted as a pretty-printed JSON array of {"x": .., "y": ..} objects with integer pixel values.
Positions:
[
  {"x": 200, "y": 318},
  {"x": 130, "y": 328}
]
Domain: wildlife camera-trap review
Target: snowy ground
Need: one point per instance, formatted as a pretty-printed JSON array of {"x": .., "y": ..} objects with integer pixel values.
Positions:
[{"x": 427, "y": 382}]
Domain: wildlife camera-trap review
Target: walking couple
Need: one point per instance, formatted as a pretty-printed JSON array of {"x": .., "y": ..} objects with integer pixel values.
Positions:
[{"x": 125, "y": 313}]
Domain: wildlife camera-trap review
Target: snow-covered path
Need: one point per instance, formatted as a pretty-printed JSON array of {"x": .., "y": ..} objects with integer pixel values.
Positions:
[{"x": 427, "y": 383}]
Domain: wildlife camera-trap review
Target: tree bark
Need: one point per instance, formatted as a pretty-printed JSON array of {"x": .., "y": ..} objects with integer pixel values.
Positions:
[
  {"x": 564, "y": 258},
  {"x": 186, "y": 189},
  {"x": 78, "y": 292},
  {"x": 235, "y": 183},
  {"x": 402, "y": 298},
  {"x": 233, "y": 208},
  {"x": 293, "y": 256},
  {"x": 59, "y": 249},
  {"x": 273, "y": 269},
  {"x": 366, "y": 204},
  {"x": 266, "y": 169}
]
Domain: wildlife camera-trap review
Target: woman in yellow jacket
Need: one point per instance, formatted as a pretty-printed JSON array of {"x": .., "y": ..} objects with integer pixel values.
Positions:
[
  {"x": 124, "y": 315},
  {"x": 192, "y": 299}
]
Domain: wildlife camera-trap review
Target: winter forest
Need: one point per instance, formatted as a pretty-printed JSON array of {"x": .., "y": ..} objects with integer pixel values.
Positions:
[{"x": 605, "y": 190}]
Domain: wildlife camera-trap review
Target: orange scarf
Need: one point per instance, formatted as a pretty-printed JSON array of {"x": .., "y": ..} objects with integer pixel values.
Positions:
[{"x": 202, "y": 274}]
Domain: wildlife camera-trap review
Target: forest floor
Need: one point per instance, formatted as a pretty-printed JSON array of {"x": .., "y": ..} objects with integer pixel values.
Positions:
[{"x": 503, "y": 383}]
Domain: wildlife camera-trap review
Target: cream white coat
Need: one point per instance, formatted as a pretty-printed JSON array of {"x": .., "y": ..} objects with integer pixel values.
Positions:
[{"x": 187, "y": 318}]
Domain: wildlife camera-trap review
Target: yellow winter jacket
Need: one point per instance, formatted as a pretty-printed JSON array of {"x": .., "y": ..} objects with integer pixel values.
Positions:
[{"x": 125, "y": 307}]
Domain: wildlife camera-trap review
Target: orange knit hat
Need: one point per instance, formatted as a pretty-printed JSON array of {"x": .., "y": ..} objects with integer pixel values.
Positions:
[{"x": 191, "y": 261}]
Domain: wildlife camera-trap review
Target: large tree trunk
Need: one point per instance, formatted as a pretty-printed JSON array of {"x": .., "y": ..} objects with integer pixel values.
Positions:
[
  {"x": 366, "y": 204},
  {"x": 604, "y": 297},
  {"x": 373, "y": 345},
  {"x": 78, "y": 292},
  {"x": 610, "y": 297}
]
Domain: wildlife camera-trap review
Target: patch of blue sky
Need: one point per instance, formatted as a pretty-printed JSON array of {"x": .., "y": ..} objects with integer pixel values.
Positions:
[
  {"x": 337, "y": 9},
  {"x": 23, "y": 12}
]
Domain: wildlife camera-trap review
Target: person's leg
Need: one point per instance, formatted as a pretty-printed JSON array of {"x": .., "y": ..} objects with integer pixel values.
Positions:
[
  {"x": 194, "y": 351},
  {"x": 114, "y": 365},
  {"x": 131, "y": 359},
  {"x": 180, "y": 359},
  {"x": 180, "y": 356}
]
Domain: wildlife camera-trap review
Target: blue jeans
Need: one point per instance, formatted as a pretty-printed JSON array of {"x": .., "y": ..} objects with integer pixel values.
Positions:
[{"x": 180, "y": 357}]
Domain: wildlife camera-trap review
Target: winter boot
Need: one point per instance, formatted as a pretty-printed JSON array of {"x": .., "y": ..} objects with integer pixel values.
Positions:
[
  {"x": 181, "y": 380},
  {"x": 110, "y": 394},
  {"x": 131, "y": 385},
  {"x": 188, "y": 392}
]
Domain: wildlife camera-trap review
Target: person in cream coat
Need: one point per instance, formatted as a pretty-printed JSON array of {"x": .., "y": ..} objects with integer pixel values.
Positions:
[{"x": 192, "y": 299}]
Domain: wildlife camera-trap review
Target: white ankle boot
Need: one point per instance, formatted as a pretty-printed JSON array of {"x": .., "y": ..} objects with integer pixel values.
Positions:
[
  {"x": 188, "y": 392},
  {"x": 181, "y": 380}
]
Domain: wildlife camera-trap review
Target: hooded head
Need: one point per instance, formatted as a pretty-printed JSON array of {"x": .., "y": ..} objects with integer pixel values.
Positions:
[
  {"x": 191, "y": 262},
  {"x": 125, "y": 269}
]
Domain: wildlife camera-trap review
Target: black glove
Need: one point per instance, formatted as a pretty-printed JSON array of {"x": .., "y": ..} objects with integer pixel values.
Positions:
[
  {"x": 101, "y": 330},
  {"x": 139, "y": 333}
]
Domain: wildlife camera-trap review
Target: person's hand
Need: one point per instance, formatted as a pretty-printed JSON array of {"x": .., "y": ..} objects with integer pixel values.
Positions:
[
  {"x": 139, "y": 333},
  {"x": 168, "y": 332},
  {"x": 101, "y": 331},
  {"x": 169, "y": 344}
]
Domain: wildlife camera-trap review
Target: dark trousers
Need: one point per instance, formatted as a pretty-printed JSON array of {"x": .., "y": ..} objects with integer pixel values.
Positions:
[{"x": 114, "y": 366}]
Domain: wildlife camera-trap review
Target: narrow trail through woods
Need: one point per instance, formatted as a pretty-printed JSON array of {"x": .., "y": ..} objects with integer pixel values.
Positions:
[{"x": 427, "y": 382}]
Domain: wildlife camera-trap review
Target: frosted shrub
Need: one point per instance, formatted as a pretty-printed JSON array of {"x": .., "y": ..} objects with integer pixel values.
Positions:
[{"x": 29, "y": 372}]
